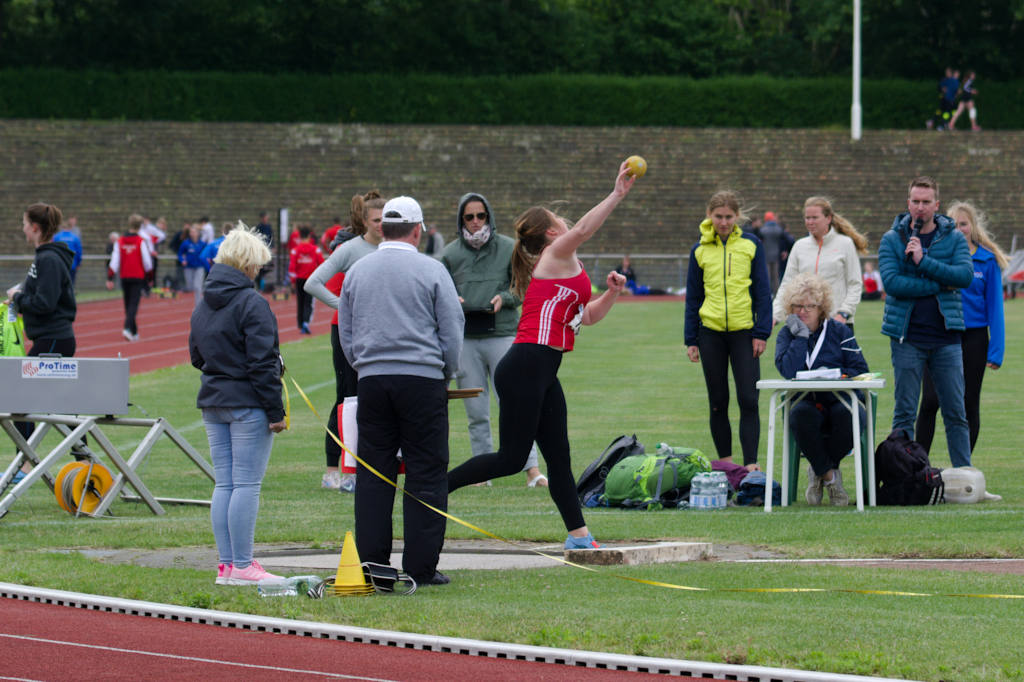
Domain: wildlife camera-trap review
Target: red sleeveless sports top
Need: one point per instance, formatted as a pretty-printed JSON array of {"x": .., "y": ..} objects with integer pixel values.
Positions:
[{"x": 553, "y": 310}]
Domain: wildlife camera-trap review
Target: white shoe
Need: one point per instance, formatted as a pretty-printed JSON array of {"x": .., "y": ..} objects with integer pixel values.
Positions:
[
  {"x": 126, "y": 334},
  {"x": 814, "y": 490},
  {"x": 331, "y": 480},
  {"x": 837, "y": 494},
  {"x": 135, "y": 337}
]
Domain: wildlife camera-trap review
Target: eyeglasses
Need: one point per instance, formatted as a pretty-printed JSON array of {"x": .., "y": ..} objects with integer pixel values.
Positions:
[
  {"x": 468, "y": 217},
  {"x": 797, "y": 307}
]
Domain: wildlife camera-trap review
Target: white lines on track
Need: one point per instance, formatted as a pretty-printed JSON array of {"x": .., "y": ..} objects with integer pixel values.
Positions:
[{"x": 211, "y": 661}]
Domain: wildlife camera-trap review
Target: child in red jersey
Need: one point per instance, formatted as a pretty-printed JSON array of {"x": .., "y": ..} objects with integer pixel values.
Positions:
[
  {"x": 131, "y": 259},
  {"x": 555, "y": 290},
  {"x": 305, "y": 257}
]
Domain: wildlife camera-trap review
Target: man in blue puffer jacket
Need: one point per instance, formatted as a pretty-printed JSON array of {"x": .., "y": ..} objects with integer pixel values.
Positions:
[{"x": 924, "y": 262}]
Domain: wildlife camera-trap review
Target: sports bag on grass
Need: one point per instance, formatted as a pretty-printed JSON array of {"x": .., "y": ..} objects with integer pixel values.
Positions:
[
  {"x": 904, "y": 476},
  {"x": 12, "y": 333},
  {"x": 652, "y": 481},
  {"x": 590, "y": 485}
]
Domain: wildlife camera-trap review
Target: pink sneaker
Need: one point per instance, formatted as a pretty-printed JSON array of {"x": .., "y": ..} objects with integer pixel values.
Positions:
[
  {"x": 251, "y": 575},
  {"x": 223, "y": 574}
]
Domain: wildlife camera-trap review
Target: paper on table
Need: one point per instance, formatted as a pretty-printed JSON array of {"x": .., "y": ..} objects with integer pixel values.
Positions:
[{"x": 821, "y": 373}]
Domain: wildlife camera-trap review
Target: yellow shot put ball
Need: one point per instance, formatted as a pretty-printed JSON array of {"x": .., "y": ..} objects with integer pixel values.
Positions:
[{"x": 637, "y": 166}]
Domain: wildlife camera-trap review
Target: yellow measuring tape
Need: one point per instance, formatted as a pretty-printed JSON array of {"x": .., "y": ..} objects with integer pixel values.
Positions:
[{"x": 643, "y": 581}]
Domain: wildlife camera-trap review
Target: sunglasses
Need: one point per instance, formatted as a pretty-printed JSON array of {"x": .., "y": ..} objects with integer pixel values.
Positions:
[{"x": 467, "y": 217}]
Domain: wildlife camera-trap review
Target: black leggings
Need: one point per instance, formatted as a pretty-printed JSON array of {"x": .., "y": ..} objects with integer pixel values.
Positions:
[
  {"x": 718, "y": 350},
  {"x": 532, "y": 408},
  {"x": 132, "y": 291},
  {"x": 974, "y": 343},
  {"x": 346, "y": 382}
]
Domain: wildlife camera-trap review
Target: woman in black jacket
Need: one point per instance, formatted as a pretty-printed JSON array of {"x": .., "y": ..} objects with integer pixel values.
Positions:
[
  {"x": 234, "y": 342},
  {"x": 46, "y": 299}
]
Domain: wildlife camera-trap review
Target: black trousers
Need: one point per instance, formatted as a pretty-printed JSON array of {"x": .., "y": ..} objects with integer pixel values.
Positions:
[
  {"x": 411, "y": 413},
  {"x": 719, "y": 350},
  {"x": 974, "y": 343},
  {"x": 345, "y": 385},
  {"x": 303, "y": 303},
  {"x": 823, "y": 432},
  {"x": 132, "y": 292},
  {"x": 532, "y": 409}
]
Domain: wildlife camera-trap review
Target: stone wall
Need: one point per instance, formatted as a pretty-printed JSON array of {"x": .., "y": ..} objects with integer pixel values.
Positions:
[{"x": 103, "y": 171}]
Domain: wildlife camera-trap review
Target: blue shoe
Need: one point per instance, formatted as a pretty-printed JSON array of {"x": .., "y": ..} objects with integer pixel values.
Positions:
[
  {"x": 587, "y": 542},
  {"x": 18, "y": 477},
  {"x": 304, "y": 329}
]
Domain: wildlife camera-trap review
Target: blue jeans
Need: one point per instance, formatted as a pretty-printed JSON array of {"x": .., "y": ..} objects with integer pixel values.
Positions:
[
  {"x": 945, "y": 364},
  {"x": 240, "y": 441}
]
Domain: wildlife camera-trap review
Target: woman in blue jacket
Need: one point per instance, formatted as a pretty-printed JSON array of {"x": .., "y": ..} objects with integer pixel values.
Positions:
[
  {"x": 983, "y": 339},
  {"x": 820, "y": 422}
]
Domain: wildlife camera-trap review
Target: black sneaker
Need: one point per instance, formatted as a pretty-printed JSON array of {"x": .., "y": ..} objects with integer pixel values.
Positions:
[{"x": 438, "y": 578}]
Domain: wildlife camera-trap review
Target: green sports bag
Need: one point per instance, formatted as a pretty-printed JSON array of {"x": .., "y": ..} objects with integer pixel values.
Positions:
[{"x": 652, "y": 481}]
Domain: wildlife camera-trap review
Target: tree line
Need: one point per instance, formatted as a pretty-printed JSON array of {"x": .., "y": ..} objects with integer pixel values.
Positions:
[{"x": 912, "y": 39}]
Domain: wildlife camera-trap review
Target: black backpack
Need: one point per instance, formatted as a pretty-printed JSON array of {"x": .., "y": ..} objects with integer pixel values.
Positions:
[
  {"x": 591, "y": 482},
  {"x": 903, "y": 474}
]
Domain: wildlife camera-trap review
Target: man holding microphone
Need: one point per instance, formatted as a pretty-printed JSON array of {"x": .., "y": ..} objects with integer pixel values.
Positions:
[{"x": 924, "y": 262}]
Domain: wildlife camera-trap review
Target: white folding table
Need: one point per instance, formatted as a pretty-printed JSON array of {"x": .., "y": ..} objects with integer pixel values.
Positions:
[{"x": 791, "y": 391}]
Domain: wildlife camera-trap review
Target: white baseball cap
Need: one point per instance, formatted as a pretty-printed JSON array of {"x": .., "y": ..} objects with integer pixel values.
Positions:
[{"x": 402, "y": 210}]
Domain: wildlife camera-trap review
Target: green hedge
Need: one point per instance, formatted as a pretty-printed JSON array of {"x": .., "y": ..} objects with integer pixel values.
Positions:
[{"x": 755, "y": 101}]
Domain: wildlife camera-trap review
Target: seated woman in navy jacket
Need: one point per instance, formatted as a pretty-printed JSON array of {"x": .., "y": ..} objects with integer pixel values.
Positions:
[{"x": 820, "y": 423}]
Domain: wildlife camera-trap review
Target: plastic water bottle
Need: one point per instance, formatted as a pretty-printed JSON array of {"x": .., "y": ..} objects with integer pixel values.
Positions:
[
  {"x": 286, "y": 587},
  {"x": 700, "y": 492},
  {"x": 720, "y": 486},
  {"x": 277, "y": 587}
]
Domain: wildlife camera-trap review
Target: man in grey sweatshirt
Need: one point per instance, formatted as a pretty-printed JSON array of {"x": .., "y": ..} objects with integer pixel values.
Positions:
[{"x": 400, "y": 324}]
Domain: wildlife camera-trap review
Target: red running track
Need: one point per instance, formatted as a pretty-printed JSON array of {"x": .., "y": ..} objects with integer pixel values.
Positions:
[
  {"x": 163, "y": 329},
  {"x": 49, "y": 642}
]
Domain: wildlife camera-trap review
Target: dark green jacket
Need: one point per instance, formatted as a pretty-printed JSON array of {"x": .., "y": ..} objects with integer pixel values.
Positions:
[{"x": 480, "y": 274}]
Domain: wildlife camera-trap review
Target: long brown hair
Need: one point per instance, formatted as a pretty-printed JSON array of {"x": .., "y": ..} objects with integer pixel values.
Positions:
[
  {"x": 361, "y": 205},
  {"x": 531, "y": 238},
  {"x": 47, "y": 217},
  {"x": 839, "y": 223}
]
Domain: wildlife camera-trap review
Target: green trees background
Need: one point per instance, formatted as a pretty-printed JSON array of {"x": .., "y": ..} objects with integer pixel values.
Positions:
[{"x": 912, "y": 39}]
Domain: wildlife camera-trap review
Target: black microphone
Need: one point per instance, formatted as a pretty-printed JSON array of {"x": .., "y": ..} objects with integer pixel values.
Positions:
[{"x": 914, "y": 232}]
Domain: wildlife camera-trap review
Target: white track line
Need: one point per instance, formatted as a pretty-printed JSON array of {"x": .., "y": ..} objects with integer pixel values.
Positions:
[{"x": 141, "y": 652}]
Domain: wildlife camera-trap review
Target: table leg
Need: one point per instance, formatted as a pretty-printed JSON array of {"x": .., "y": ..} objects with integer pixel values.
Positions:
[
  {"x": 870, "y": 454},
  {"x": 857, "y": 454},
  {"x": 770, "y": 464}
]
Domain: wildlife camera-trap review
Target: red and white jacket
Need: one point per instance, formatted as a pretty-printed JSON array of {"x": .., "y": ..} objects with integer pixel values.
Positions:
[{"x": 131, "y": 259}]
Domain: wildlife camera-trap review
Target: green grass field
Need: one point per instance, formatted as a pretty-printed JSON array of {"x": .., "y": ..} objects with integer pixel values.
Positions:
[{"x": 628, "y": 375}]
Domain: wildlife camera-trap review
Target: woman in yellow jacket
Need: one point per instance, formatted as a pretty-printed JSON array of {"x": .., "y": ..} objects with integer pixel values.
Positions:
[{"x": 728, "y": 320}]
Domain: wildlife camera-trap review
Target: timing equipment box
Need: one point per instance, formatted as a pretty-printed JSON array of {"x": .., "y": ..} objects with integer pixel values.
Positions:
[{"x": 57, "y": 385}]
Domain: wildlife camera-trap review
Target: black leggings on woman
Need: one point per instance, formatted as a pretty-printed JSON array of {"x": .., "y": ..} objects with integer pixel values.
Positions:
[
  {"x": 974, "y": 343},
  {"x": 532, "y": 408},
  {"x": 718, "y": 350},
  {"x": 345, "y": 382}
]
